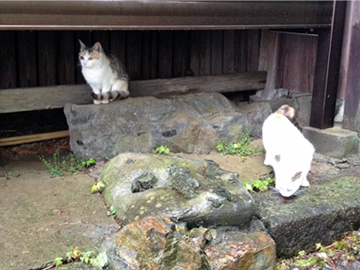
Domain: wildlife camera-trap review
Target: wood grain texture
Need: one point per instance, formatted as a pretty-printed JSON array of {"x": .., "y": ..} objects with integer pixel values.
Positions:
[
  {"x": 165, "y": 63},
  {"x": 217, "y": 47},
  {"x": 67, "y": 58},
  {"x": 149, "y": 58},
  {"x": 47, "y": 52},
  {"x": 8, "y": 75},
  {"x": 39, "y": 98},
  {"x": 27, "y": 60},
  {"x": 33, "y": 138}
]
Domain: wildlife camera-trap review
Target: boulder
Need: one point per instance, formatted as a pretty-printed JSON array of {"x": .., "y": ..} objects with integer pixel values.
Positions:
[
  {"x": 157, "y": 243},
  {"x": 188, "y": 123},
  {"x": 199, "y": 193}
]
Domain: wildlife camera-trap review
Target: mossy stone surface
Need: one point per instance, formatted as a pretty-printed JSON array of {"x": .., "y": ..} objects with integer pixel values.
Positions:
[{"x": 321, "y": 214}]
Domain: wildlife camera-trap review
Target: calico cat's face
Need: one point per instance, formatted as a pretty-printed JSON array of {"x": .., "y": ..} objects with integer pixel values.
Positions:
[{"x": 90, "y": 57}]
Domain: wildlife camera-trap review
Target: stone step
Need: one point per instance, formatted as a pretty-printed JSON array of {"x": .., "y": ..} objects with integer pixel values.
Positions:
[{"x": 320, "y": 214}]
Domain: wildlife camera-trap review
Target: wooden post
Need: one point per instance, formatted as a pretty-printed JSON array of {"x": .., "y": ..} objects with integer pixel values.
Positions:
[
  {"x": 350, "y": 66},
  {"x": 268, "y": 61},
  {"x": 327, "y": 70}
]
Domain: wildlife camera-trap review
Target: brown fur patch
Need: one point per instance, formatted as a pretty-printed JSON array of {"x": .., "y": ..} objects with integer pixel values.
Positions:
[{"x": 296, "y": 176}]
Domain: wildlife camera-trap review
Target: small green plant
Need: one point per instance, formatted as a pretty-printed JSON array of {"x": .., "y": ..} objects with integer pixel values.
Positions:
[
  {"x": 163, "y": 149},
  {"x": 259, "y": 185},
  {"x": 74, "y": 254},
  {"x": 242, "y": 148},
  {"x": 70, "y": 164},
  {"x": 88, "y": 163},
  {"x": 56, "y": 167},
  {"x": 58, "y": 261},
  {"x": 112, "y": 211}
]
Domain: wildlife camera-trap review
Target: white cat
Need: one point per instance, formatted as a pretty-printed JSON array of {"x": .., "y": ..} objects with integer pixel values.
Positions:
[
  {"x": 287, "y": 151},
  {"x": 104, "y": 73}
]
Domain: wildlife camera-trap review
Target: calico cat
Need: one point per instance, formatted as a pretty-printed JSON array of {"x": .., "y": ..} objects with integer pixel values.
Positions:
[
  {"x": 287, "y": 151},
  {"x": 104, "y": 73}
]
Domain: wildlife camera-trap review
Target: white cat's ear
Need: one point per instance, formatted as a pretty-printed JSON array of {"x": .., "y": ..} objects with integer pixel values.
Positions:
[
  {"x": 82, "y": 46},
  {"x": 97, "y": 47}
]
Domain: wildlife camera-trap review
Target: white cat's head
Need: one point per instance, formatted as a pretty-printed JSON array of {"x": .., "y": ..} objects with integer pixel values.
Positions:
[{"x": 90, "y": 57}]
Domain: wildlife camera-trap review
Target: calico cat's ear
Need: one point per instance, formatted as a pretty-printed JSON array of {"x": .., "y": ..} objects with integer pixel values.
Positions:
[
  {"x": 97, "y": 47},
  {"x": 82, "y": 46}
]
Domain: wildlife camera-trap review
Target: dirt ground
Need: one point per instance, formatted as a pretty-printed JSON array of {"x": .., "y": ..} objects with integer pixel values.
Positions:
[{"x": 40, "y": 216}]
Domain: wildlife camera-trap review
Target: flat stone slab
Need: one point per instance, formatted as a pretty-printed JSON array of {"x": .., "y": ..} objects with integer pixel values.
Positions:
[
  {"x": 321, "y": 214},
  {"x": 333, "y": 142}
]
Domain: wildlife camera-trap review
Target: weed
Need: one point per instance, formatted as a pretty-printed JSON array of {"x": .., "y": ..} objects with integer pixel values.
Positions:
[
  {"x": 70, "y": 164},
  {"x": 259, "y": 185},
  {"x": 112, "y": 211},
  {"x": 347, "y": 248},
  {"x": 56, "y": 167},
  {"x": 163, "y": 149},
  {"x": 242, "y": 148},
  {"x": 74, "y": 254}
]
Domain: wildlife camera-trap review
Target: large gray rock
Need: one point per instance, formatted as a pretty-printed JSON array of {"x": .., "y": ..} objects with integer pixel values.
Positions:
[
  {"x": 189, "y": 123},
  {"x": 321, "y": 214},
  {"x": 195, "y": 192}
]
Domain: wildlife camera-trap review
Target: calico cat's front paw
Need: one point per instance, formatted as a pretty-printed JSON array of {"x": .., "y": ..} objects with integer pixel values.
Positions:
[{"x": 97, "y": 101}]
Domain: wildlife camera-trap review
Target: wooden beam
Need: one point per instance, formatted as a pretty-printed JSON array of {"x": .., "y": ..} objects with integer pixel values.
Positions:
[
  {"x": 213, "y": 83},
  {"x": 40, "y": 98},
  {"x": 350, "y": 68},
  {"x": 161, "y": 15},
  {"x": 33, "y": 138},
  {"x": 327, "y": 70}
]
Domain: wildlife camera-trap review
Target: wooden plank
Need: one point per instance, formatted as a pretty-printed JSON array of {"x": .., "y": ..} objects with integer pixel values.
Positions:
[
  {"x": 350, "y": 66},
  {"x": 16, "y": 100},
  {"x": 229, "y": 52},
  {"x": 161, "y": 15},
  {"x": 268, "y": 60},
  {"x": 165, "y": 54},
  {"x": 240, "y": 58},
  {"x": 213, "y": 83},
  {"x": 205, "y": 53},
  {"x": 149, "y": 55},
  {"x": 217, "y": 43},
  {"x": 181, "y": 53},
  {"x": 253, "y": 49},
  {"x": 33, "y": 138},
  {"x": 47, "y": 51},
  {"x": 327, "y": 70},
  {"x": 195, "y": 52},
  {"x": 26, "y": 45},
  {"x": 133, "y": 54},
  {"x": 299, "y": 49},
  {"x": 8, "y": 75},
  {"x": 118, "y": 45},
  {"x": 68, "y": 58},
  {"x": 38, "y": 98}
]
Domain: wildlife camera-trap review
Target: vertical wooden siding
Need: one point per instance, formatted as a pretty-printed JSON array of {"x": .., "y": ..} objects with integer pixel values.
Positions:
[{"x": 44, "y": 58}]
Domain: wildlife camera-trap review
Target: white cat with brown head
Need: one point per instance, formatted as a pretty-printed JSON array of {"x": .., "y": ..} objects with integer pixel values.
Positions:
[
  {"x": 104, "y": 73},
  {"x": 287, "y": 151}
]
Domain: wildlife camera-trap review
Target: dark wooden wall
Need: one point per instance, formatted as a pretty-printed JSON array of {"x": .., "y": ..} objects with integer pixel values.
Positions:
[{"x": 45, "y": 58}]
